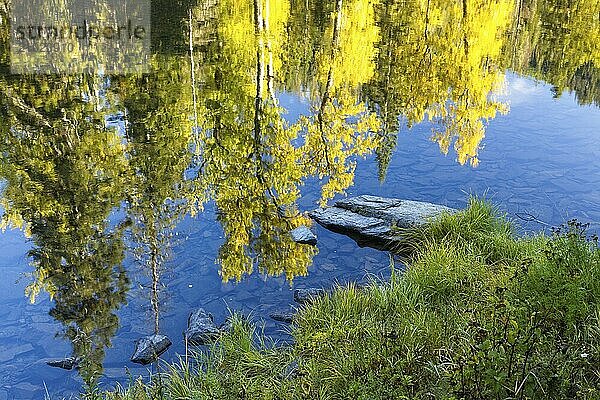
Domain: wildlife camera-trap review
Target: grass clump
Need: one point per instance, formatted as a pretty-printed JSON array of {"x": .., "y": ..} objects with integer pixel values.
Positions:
[{"x": 479, "y": 314}]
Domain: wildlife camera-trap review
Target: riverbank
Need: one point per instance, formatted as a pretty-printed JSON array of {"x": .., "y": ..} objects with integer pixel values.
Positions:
[{"x": 479, "y": 313}]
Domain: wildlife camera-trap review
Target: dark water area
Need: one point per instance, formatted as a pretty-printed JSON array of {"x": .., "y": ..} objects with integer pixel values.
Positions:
[{"x": 131, "y": 199}]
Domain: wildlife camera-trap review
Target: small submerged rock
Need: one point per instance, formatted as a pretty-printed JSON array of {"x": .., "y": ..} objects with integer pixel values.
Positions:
[
  {"x": 67, "y": 363},
  {"x": 201, "y": 328},
  {"x": 149, "y": 348},
  {"x": 304, "y": 296},
  {"x": 283, "y": 316},
  {"x": 304, "y": 235}
]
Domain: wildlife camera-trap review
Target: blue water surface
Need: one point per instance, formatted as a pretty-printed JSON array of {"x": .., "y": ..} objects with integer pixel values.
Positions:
[{"x": 540, "y": 160}]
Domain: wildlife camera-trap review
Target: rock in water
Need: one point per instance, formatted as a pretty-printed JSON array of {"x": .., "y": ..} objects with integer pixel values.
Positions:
[
  {"x": 304, "y": 296},
  {"x": 201, "y": 328},
  {"x": 149, "y": 348},
  {"x": 283, "y": 316},
  {"x": 370, "y": 220},
  {"x": 304, "y": 235},
  {"x": 66, "y": 363}
]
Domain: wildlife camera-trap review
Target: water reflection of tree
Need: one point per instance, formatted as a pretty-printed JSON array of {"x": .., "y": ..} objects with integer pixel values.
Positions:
[
  {"x": 64, "y": 174},
  {"x": 340, "y": 127},
  {"x": 4, "y": 37},
  {"x": 440, "y": 61},
  {"x": 359, "y": 66},
  {"x": 444, "y": 61},
  {"x": 253, "y": 161},
  {"x": 558, "y": 42},
  {"x": 248, "y": 158},
  {"x": 158, "y": 131}
]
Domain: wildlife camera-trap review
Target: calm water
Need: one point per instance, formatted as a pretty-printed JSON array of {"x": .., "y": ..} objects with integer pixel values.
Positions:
[{"x": 129, "y": 200}]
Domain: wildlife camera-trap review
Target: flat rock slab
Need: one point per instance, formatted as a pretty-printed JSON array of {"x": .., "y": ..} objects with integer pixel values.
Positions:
[
  {"x": 201, "y": 328},
  {"x": 149, "y": 348},
  {"x": 371, "y": 220}
]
